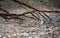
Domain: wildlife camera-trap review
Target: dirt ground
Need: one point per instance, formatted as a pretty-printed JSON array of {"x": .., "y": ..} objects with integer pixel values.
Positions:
[{"x": 28, "y": 28}]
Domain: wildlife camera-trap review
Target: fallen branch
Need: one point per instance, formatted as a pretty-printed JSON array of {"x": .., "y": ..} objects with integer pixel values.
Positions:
[
  {"x": 19, "y": 2},
  {"x": 4, "y": 10},
  {"x": 13, "y": 16},
  {"x": 33, "y": 7}
]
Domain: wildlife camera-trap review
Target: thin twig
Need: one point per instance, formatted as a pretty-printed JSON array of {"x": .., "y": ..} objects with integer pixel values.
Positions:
[
  {"x": 29, "y": 17},
  {"x": 4, "y": 10},
  {"x": 35, "y": 16},
  {"x": 47, "y": 16},
  {"x": 41, "y": 15}
]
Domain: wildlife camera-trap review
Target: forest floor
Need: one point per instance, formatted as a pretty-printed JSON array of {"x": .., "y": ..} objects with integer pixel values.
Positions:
[{"x": 27, "y": 28}]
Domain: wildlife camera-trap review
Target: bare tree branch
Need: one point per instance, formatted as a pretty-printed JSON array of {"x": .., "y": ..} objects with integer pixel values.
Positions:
[
  {"x": 15, "y": 16},
  {"x": 33, "y": 7},
  {"x": 4, "y": 10},
  {"x": 12, "y": 16},
  {"x": 19, "y": 2}
]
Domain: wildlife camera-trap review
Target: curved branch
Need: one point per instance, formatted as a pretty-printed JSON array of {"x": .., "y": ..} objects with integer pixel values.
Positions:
[{"x": 19, "y": 2}]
